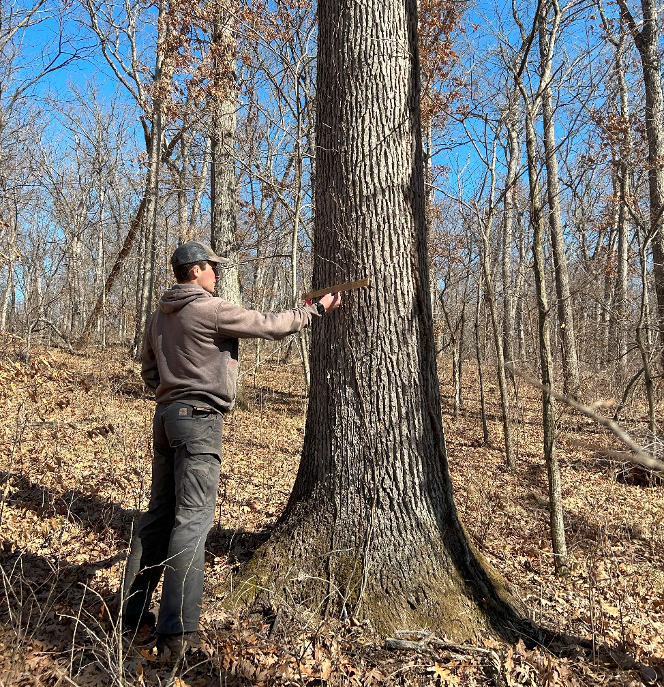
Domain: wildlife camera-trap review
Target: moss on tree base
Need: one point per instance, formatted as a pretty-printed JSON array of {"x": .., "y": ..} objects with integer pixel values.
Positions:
[{"x": 459, "y": 597}]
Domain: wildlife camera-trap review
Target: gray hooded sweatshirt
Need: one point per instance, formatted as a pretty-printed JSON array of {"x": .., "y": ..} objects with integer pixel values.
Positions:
[{"x": 190, "y": 348}]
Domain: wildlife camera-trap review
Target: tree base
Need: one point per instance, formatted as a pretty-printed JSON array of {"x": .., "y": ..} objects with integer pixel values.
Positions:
[{"x": 458, "y": 596}]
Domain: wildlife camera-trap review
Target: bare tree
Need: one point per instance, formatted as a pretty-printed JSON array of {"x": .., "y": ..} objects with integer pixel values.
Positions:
[
  {"x": 118, "y": 34},
  {"x": 21, "y": 71},
  {"x": 546, "y": 359}
]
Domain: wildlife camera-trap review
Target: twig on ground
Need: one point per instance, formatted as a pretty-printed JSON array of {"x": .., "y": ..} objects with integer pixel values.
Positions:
[{"x": 431, "y": 645}]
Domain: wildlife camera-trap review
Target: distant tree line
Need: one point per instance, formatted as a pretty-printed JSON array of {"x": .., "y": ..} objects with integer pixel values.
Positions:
[{"x": 541, "y": 128}]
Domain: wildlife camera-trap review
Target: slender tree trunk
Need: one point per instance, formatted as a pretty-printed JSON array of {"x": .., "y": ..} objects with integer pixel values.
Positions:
[
  {"x": 478, "y": 355},
  {"x": 624, "y": 171},
  {"x": 371, "y": 528},
  {"x": 571, "y": 377},
  {"x": 455, "y": 345},
  {"x": 183, "y": 182},
  {"x": 6, "y": 211},
  {"x": 487, "y": 275},
  {"x": 500, "y": 359},
  {"x": 144, "y": 304},
  {"x": 460, "y": 352},
  {"x": 519, "y": 296},
  {"x": 134, "y": 226},
  {"x": 295, "y": 237},
  {"x": 605, "y": 343},
  {"x": 508, "y": 223},
  {"x": 546, "y": 359},
  {"x": 199, "y": 189},
  {"x": 223, "y": 177},
  {"x": 456, "y": 385},
  {"x": 100, "y": 267},
  {"x": 622, "y": 164},
  {"x": 144, "y": 297},
  {"x": 74, "y": 281},
  {"x": 642, "y": 338},
  {"x": 7, "y": 294},
  {"x": 647, "y": 43}
]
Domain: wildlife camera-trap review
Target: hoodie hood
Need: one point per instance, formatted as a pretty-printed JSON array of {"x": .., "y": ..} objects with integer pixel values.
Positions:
[{"x": 180, "y": 295}]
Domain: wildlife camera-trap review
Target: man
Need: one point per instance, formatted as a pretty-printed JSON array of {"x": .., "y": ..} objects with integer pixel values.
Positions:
[{"x": 190, "y": 360}]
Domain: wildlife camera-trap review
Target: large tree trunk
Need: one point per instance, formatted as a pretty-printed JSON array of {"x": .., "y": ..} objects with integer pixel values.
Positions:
[{"x": 371, "y": 528}]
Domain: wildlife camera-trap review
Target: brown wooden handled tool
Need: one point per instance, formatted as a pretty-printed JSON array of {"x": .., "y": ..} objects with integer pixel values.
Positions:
[{"x": 337, "y": 288}]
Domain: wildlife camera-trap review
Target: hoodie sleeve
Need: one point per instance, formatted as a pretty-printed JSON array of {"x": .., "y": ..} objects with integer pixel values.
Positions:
[
  {"x": 234, "y": 321},
  {"x": 149, "y": 369}
]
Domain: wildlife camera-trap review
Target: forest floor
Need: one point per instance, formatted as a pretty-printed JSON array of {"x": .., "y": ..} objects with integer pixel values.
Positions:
[{"x": 75, "y": 472}]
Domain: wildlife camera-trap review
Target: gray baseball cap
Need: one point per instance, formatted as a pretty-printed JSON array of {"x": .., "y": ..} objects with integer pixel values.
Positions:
[{"x": 193, "y": 251}]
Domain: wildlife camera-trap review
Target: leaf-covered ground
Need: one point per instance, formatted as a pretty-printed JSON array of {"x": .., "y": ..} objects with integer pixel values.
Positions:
[{"x": 75, "y": 472}]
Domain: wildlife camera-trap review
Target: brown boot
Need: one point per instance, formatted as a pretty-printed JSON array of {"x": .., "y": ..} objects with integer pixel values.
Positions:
[{"x": 179, "y": 643}]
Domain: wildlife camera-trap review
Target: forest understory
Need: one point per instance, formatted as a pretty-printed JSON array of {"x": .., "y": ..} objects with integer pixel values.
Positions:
[{"x": 75, "y": 473}]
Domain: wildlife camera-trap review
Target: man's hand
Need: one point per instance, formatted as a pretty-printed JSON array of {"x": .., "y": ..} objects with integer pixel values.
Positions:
[{"x": 330, "y": 301}]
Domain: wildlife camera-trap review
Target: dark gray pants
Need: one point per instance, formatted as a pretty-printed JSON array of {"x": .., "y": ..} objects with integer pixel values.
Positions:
[{"x": 171, "y": 535}]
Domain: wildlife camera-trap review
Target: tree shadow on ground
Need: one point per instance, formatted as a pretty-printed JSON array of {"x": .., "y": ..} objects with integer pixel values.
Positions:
[
  {"x": 59, "y": 618},
  {"x": 86, "y": 510},
  {"x": 238, "y": 545},
  {"x": 128, "y": 386}
]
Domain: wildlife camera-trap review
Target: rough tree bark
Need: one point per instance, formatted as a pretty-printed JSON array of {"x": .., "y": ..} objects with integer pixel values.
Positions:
[{"x": 371, "y": 528}]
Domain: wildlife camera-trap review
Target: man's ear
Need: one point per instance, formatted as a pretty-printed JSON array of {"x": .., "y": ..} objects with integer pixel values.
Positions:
[{"x": 195, "y": 271}]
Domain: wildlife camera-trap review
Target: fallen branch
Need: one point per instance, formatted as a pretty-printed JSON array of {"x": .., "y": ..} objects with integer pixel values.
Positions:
[
  {"x": 638, "y": 453},
  {"x": 58, "y": 332}
]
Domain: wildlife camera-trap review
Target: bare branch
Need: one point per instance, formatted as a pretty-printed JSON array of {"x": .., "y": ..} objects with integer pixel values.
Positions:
[{"x": 639, "y": 454}]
